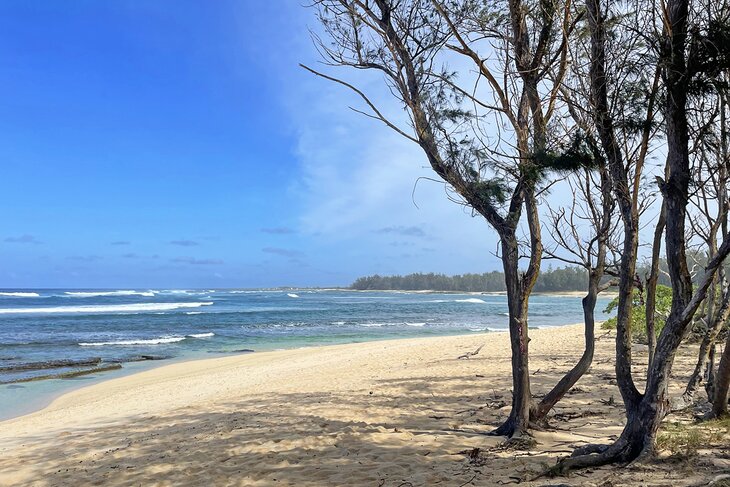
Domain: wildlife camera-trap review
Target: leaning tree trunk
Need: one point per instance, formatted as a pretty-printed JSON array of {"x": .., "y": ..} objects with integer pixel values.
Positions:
[
  {"x": 539, "y": 413},
  {"x": 595, "y": 274},
  {"x": 708, "y": 343},
  {"x": 642, "y": 422}
]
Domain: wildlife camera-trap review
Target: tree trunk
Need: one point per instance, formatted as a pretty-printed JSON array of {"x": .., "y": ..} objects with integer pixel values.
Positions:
[
  {"x": 595, "y": 274},
  {"x": 642, "y": 422},
  {"x": 517, "y": 423},
  {"x": 710, "y": 373},
  {"x": 645, "y": 417},
  {"x": 722, "y": 377},
  {"x": 708, "y": 343},
  {"x": 651, "y": 284},
  {"x": 627, "y": 207},
  {"x": 540, "y": 412}
]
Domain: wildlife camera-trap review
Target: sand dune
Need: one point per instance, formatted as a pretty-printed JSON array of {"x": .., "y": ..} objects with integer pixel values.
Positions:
[{"x": 389, "y": 413}]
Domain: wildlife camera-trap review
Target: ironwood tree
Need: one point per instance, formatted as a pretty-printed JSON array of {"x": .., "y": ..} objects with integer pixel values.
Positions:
[
  {"x": 687, "y": 54},
  {"x": 489, "y": 136}
]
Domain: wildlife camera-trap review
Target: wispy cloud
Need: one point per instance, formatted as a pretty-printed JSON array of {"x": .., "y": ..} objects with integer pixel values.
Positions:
[
  {"x": 283, "y": 252},
  {"x": 23, "y": 239},
  {"x": 278, "y": 230},
  {"x": 401, "y": 244},
  {"x": 184, "y": 243},
  {"x": 132, "y": 255},
  {"x": 351, "y": 198},
  {"x": 121, "y": 242},
  {"x": 403, "y": 231},
  {"x": 196, "y": 261},
  {"x": 83, "y": 258}
]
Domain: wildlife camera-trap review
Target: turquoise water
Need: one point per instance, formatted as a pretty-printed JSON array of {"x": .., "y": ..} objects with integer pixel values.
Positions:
[{"x": 123, "y": 325}]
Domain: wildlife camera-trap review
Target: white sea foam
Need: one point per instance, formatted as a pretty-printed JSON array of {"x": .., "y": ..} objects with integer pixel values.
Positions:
[
  {"x": 193, "y": 312},
  {"x": 292, "y": 295},
  {"x": 369, "y": 325},
  {"x": 183, "y": 292},
  {"x": 152, "y": 341},
  {"x": 21, "y": 295},
  {"x": 466, "y": 300},
  {"x": 338, "y": 323},
  {"x": 254, "y": 291},
  {"x": 97, "y": 294},
  {"x": 116, "y": 308},
  {"x": 416, "y": 324}
]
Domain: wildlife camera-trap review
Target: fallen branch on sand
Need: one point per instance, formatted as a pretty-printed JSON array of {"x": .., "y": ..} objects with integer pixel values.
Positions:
[{"x": 470, "y": 354}]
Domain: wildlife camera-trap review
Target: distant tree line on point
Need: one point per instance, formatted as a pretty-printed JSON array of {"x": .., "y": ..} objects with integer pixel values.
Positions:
[{"x": 553, "y": 279}]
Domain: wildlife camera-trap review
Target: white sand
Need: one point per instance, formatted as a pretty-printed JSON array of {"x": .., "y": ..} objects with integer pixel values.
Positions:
[{"x": 399, "y": 412}]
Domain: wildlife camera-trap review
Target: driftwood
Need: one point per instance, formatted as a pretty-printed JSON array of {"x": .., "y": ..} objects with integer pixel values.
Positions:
[{"x": 470, "y": 354}]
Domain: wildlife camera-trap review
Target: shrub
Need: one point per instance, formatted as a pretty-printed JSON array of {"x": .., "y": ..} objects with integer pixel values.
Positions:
[{"x": 638, "y": 312}]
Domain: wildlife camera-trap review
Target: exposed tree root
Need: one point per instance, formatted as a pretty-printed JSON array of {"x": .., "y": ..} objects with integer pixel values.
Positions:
[
  {"x": 510, "y": 428},
  {"x": 590, "y": 449}
]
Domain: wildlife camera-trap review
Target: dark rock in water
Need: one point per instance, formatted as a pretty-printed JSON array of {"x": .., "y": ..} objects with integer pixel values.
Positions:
[
  {"x": 155, "y": 357},
  {"x": 8, "y": 358},
  {"x": 14, "y": 386},
  {"x": 65, "y": 375},
  {"x": 140, "y": 358},
  {"x": 51, "y": 364}
]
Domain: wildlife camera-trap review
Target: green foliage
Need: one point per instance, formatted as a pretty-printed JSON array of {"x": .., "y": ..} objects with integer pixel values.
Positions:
[
  {"x": 638, "y": 312},
  {"x": 684, "y": 440},
  {"x": 490, "y": 191},
  {"x": 568, "y": 157},
  {"x": 709, "y": 56}
]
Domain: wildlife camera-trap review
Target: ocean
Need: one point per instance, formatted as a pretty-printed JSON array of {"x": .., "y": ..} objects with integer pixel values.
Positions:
[{"x": 59, "y": 332}]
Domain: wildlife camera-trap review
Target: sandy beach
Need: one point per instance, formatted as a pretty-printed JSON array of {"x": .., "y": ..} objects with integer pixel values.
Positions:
[{"x": 389, "y": 413}]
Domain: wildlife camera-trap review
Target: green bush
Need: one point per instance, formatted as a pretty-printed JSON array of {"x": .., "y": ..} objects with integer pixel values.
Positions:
[{"x": 638, "y": 312}]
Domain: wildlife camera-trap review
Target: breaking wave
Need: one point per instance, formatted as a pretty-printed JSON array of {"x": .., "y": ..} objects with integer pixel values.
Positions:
[
  {"x": 97, "y": 294},
  {"x": 102, "y": 308},
  {"x": 150, "y": 341}
]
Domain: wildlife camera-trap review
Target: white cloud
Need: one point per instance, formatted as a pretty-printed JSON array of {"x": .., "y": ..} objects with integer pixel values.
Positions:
[{"x": 358, "y": 177}]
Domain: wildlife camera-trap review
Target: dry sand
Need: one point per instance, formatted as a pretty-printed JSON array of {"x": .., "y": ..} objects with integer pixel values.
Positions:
[{"x": 390, "y": 413}]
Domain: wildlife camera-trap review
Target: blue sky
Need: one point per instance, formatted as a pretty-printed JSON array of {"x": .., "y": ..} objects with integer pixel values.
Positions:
[{"x": 179, "y": 144}]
